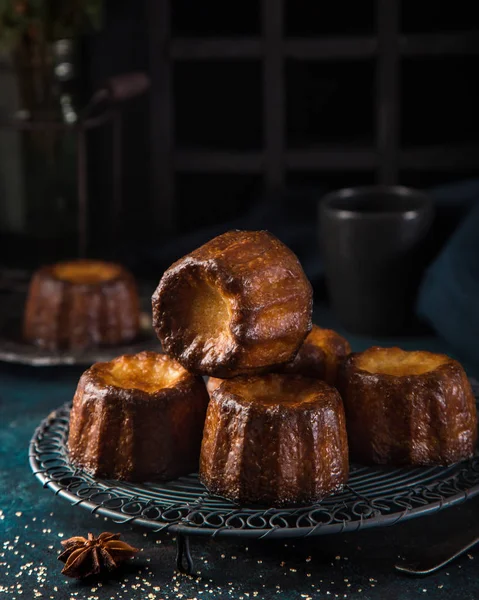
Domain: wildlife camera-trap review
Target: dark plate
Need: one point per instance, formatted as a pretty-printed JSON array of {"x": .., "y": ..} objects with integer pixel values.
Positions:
[
  {"x": 374, "y": 496},
  {"x": 14, "y": 349}
]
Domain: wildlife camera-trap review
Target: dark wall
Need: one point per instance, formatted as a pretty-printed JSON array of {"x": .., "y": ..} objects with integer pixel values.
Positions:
[
  {"x": 120, "y": 47},
  {"x": 218, "y": 103}
]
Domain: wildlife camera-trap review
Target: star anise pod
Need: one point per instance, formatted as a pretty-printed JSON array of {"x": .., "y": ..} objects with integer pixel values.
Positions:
[{"x": 84, "y": 557}]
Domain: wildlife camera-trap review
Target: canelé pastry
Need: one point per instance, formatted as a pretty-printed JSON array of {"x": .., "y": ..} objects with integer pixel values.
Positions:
[
  {"x": 407, "y": 408},
  {"x": 320, "y": 356},
  {"x": 139, "y": 417},
  {"x": 81, "y": 304},
  {"x": 213, "y": 383},
  {"x": 274, "y": 439},
  {"x": 239, "y": 304}
]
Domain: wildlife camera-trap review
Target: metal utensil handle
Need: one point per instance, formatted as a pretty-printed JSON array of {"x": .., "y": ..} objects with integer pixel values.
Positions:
[{"x": 437, "y": 556}]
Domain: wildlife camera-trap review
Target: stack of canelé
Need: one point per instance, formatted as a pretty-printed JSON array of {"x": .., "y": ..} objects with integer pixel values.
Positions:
[{"x": 249, "y": 391}]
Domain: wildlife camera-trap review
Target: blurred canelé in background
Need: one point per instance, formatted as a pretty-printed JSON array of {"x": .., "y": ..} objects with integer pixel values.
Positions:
[{"x": 81, "y": 304}]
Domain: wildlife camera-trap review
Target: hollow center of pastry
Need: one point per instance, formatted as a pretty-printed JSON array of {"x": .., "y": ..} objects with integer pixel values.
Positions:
[
  {"x": 392, "y": 361},
  {"x": 88, "y": 272},
  {"x": 146, "y": 374},
  {"x": 208, "y": 314},
  {"x": 203, "y": 314},
  {"x": 275, "y": 389}
]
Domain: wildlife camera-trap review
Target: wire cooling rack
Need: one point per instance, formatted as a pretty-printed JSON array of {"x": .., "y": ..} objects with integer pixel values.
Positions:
[{"x": 374, "y": 496}]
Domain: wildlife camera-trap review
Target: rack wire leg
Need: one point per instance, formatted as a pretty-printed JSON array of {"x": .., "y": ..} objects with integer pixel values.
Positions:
[{"x": 184, "y": 562}]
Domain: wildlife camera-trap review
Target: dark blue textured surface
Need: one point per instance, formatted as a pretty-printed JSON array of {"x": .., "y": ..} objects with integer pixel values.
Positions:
[{"x": 33, "y": 522}]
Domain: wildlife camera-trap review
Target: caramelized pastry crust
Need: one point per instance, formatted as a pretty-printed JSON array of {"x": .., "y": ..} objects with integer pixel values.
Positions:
[
  {"x": 407, "y": 408},
  {"x": 212, "y": 384},
  {"x": 139, "y": 417},
  {"x": 320, "y": 356},
  {"x": 239, "y": 304},
  {"x": 80, "y": 304},
  {"x": 274, "y": 439}
]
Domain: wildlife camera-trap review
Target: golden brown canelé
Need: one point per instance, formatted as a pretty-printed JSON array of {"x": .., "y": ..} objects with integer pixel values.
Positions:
[
  {"x": 212, "y": 383},
  {"x": 274, "y": 439},
  {"x": 81, "y": 304},
  {"x": 239, "y": 304},
  {"x": 320, "y": 357},
  {"x": 139, "y": 417},
  {"x": 407, "y": 408}
]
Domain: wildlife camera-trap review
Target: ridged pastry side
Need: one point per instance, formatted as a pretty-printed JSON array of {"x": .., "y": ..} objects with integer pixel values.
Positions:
[
  {"x": 239, "y": 304},
  {"x": 138, "y": 418},
  {"x": 275, "y": 440},
  {"x": 408, "y": 408}
]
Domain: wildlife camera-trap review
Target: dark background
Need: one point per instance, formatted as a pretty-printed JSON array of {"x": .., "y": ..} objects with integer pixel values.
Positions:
[
  {"x": 256, "y": 108},
  {"x": 220, "y": 158}
]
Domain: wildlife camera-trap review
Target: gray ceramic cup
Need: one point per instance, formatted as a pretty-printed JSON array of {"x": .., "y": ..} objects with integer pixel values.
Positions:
[{"x": 373, "y": 242}]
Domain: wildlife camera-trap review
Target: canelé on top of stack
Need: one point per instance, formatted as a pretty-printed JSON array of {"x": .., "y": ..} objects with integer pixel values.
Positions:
[{"x": 239, "y": 304}]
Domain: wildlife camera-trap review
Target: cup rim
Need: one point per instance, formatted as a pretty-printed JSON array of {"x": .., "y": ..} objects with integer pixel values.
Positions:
[{"x": 400, "y": 191}]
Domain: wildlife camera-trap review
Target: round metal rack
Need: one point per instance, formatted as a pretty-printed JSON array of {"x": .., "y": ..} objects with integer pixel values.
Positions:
[{"x": 374, "y": 496}]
